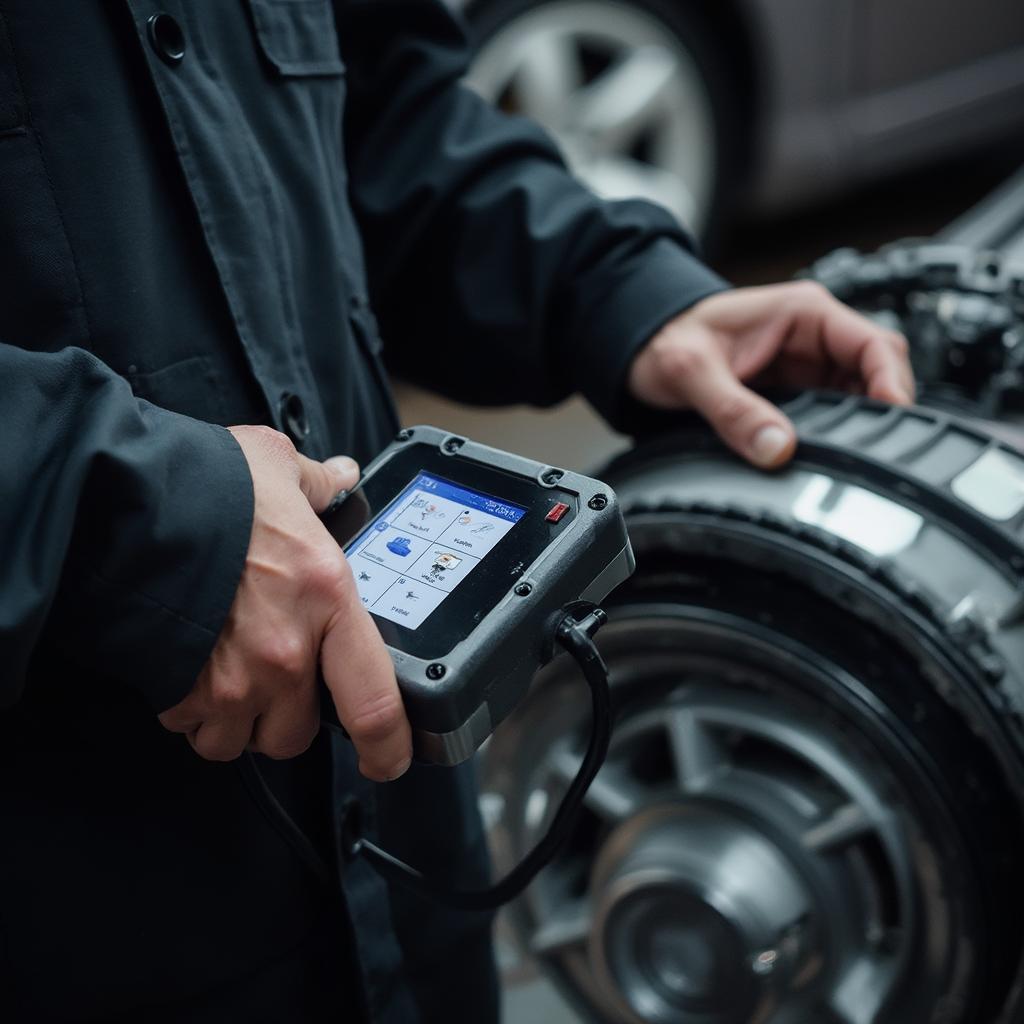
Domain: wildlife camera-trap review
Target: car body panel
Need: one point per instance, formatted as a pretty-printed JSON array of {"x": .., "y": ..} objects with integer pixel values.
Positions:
[{"x": 847, "y": 91}]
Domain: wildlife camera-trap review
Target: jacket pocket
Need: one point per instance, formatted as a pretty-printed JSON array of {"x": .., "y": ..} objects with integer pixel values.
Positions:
[
  {"x": 298, "y": 37},
  {"x": 191, "y": 387}
]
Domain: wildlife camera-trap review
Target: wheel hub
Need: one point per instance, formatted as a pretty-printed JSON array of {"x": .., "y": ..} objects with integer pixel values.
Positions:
[{"x": 699, "y": 916}]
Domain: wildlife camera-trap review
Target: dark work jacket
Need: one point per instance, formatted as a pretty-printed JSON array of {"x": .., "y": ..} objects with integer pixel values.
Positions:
[{"x": 186, "y": 244}]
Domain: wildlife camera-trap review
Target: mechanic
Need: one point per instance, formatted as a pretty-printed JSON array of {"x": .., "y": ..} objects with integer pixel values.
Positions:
[{"x": 202, "y": 207}]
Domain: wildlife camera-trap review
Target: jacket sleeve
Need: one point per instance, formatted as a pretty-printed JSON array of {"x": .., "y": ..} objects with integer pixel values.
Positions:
[
  {"x": 496, "y": 276},
  {"x": 123, "y": 527}
]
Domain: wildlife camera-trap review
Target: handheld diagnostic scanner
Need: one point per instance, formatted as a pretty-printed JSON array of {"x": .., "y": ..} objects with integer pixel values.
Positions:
[{"x": 467, "y": 558}]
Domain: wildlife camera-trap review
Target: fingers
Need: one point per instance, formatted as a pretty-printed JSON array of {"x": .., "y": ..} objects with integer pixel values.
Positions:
[
  {"x": 321, "y": 481},
  {"x": 879, "y": 357},
  {"x": 221, "y": 740},
  {"x": 346, "y": 469},
  {"x": 258, "y": 688},
  {"x": 747, "y": 423},
  {"x": 266, "y": 448},
  {"x": 361, "y": 678},
  {"x": 287, "y": 728},
  {"x": 266, "y": 703},
  {"x": 215, "y": 737}
]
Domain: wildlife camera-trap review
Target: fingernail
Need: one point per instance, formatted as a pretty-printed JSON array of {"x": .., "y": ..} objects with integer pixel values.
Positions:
[
  {"x": 342, "y": 466},
  {"x": 402, "y": 769},
  {"x": 769, "y": 443}
]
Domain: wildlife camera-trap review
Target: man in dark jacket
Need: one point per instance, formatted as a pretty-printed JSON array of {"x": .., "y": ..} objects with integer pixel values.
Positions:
[{"x": 200, "y": 203}]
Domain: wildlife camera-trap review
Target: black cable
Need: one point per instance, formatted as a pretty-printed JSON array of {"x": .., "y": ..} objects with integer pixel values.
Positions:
[
  {"x": 576, "y": 636},
  {"x": 281, "y": 820}
]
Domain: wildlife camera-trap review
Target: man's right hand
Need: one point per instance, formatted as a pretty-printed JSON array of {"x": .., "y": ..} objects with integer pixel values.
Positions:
[{"x": 296, "y": 605}]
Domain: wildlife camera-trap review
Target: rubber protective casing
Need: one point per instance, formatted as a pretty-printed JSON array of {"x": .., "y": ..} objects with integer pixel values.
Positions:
[{"x": 454, "y": 701}]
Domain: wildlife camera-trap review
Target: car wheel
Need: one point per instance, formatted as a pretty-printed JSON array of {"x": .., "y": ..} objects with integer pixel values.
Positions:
[
  {"x": 634, "y": 94},
  {"x": 811, "y": 811}
]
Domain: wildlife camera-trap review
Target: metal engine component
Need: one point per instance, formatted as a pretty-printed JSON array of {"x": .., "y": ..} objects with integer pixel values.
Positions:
[
  {"x": 959, "y": 299},
  {"x": 813, "y": 807}
]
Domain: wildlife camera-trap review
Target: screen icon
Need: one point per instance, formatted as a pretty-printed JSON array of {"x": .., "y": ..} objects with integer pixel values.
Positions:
[{"x": 399, "y": 546}]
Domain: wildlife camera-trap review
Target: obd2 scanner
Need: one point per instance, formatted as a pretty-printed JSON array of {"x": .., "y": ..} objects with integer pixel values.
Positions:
[{"x": 475, "y": 564}]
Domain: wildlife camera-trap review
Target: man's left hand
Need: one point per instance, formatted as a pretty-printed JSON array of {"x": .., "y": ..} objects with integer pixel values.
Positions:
[{"x": 789, "y": 335}]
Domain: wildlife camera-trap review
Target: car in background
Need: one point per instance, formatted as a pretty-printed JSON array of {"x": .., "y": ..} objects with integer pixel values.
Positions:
[{"x": 712, "y": 106}]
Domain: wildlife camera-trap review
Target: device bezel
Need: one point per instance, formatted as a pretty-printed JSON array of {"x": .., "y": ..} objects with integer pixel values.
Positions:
[{"x": 477, "y": 595}]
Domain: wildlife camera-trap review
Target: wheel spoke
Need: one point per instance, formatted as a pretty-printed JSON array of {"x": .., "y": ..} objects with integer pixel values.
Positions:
[
  {"x": 843, "y": 826},
  {"x": 569, "y": 927},
  {"x": 620, "y": 177},
  {"x": 858, "y": 992},
  {"x": 699, "y": 753},
  {"x": 619, "y": 104},
  {"x": 550, "y": 73},
  {"x": 611, "y": 795}
]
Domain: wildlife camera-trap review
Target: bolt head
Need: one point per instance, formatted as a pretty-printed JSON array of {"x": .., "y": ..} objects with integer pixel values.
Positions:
[
  {"x": 522, "y": 589},
  {"x": 598, "y": 502},
  {"x": 436, "y": 670}
]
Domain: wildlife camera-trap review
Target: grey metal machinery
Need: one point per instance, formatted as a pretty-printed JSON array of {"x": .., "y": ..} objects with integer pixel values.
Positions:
[
  {"x": 813, "y": 807},
  {"x": 959, "y": 297}
]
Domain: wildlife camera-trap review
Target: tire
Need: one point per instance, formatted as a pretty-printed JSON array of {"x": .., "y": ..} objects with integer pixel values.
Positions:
[{"x": 808, "y": 639}]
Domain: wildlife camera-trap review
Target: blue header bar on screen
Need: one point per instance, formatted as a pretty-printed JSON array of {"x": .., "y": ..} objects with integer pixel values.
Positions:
[{"x": 471, "y": 499}]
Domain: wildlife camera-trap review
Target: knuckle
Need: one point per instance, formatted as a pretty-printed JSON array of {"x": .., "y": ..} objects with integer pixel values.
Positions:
[
  {"x": 803, "y": 295},
  {"x": 285, "y": 653},
  {"x": 811, "y": 291},
  {"x": 683, "y": 360},
  {"x": 377, "y": 719},
  {"x": 274, "y": 442},
  {"x": 328, "y": 573},
  {"x": 228, "y": 693},
  {"x": 899, "y": 343}
]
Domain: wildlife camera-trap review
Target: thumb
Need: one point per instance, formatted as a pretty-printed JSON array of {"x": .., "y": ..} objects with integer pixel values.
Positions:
[
  {"x": 753, "y": 427},
  {"x": 346, "y": 470},
  {"x": 321, "y": 481}
]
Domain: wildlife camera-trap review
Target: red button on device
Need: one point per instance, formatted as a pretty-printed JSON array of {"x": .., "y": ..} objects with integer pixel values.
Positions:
[{"x": 556, "y": 513}]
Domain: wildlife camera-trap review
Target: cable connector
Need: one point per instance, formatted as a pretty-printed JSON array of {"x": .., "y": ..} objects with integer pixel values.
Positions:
[
  {"x": 591, "y": 622},
  {"x": 575, "y": 632}
]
